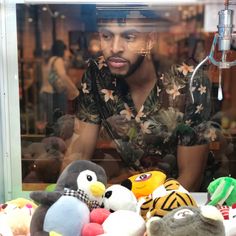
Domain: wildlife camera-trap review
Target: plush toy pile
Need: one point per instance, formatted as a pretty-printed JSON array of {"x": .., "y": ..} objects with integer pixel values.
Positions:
[{"x": 148, "y": 204}]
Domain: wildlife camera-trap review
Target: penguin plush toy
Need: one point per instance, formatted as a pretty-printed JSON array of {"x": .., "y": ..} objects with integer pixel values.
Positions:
[{"x": 79, "y": 189}]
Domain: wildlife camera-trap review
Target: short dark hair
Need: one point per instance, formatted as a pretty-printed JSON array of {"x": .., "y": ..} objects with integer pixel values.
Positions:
[
  {"x": 126, "y": 11},
  {"x": 58, "y": 48},
  {"x": 145, "y": 15}
]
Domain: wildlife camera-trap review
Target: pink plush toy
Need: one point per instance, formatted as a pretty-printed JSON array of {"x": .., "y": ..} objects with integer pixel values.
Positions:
[
  {"x": 97, "y": 217},
  {"x": 118, "y": 223},
  {"x": 92, "y": 229}
]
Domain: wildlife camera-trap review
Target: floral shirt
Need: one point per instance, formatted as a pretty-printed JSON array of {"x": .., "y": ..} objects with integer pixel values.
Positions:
[{"x": 167, "y": 118}]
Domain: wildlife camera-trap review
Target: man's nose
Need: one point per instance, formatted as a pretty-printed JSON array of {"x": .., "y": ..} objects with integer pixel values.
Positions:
[{"x": 117, "y": 45}]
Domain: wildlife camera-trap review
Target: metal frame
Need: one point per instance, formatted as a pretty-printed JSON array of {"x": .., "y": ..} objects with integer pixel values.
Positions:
[{"x": 9, "y": 104}]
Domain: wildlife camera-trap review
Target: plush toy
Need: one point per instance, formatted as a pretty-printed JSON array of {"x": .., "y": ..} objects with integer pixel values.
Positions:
[
  {"x": 229, "y": 214},
  {"x": 222, "y": 191},
  {"x": 15, "y": 217},
  {"x": 4, "y": 227},
  {"x": 118, "y": 197},
  {"x": 165, "y": 198},
  {"x": 187, "y": 220},
  {"x": 49, "y": 152},
  {"x": 22, "y": 202},
  {"x": 64, "y": 211},
  {"x": 97, "y": 217},
  {"x": 120, "y": 222},
  {"x": 52, "y": 233},
  {"x": 125, "y": 223},
  {"x": 145, "y": 183},
  {"x": 92, "y": 229}
]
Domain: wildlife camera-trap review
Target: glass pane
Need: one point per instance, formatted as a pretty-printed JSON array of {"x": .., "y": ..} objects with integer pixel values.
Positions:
[{"x": 58, "y": 40}]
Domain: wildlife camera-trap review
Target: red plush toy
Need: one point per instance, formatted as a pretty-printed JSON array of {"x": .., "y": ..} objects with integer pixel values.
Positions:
[{"x": 97, "y": 217}]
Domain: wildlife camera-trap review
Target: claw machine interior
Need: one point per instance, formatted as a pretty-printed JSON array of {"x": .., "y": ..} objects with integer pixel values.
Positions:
[{"x": 31, "y": 147}]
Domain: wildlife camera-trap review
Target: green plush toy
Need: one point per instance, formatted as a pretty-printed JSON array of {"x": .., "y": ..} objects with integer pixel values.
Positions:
[{"x": 222, "y": 191}]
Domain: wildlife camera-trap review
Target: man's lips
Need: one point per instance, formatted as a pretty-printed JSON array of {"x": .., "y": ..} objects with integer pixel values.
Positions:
[{"x": 117, "y": 62}]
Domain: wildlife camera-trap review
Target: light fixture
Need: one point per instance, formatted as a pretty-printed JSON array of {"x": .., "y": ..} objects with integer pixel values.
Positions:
[
  {"x": 30, "y": 19},
  {"x": 158, "y": 2},
  {"x": 44, "y": 8}
]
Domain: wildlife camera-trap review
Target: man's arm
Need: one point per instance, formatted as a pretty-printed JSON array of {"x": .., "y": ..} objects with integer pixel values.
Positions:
[
  {"x": 194, "y": 138},
  {"x": 84, "y": 146},
  {"x": 191, "y": 162}
]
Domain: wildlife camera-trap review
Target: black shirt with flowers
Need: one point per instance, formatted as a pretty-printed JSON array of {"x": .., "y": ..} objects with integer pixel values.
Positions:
[{"x": 167, "y": 118}]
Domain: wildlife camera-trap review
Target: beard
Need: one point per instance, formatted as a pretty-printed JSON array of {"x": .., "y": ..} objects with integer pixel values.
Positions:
[{"x": 132, "y": 69}]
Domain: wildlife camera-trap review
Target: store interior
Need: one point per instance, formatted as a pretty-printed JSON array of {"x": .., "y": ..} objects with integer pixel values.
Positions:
[{"x": 182, "y": 37}]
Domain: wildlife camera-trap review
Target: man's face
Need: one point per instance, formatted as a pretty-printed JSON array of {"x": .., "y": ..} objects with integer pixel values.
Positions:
[{"x": 123, "y": 46}]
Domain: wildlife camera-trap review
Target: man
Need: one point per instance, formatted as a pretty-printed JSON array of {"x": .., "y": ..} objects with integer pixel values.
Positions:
[{"x": 150, "y": 117}]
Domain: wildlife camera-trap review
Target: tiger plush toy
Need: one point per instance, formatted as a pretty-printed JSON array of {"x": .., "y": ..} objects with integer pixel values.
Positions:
[{"x": 164, "y": 199}]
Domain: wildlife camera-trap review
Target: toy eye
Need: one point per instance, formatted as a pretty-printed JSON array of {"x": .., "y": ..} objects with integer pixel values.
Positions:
[
  {"x": 108, "y": 194},
  {"x": 89, "y": 178},
  {"x": 183, "y": 213},
  {"x": 3, "y": 206},
  {"x": 86, "y": 176},
  {"x": 143, "y": 177}
]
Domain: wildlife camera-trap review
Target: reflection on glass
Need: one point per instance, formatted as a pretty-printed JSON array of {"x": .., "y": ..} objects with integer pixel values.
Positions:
[{"x": 55, "y": 46}]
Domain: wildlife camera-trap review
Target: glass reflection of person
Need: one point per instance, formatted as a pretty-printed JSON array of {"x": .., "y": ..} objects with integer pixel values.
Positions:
[
  {"x": 150, "y": 116},
  {"x": 51, "y": 99}
]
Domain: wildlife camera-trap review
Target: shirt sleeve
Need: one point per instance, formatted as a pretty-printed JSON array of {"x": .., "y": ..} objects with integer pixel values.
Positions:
[
  {"x": 87, "y": 108},
  {"x": 196, "y": 125}
]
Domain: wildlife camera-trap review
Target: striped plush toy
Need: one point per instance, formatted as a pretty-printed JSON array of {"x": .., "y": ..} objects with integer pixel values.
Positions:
[{"x": 165, "y": 198}]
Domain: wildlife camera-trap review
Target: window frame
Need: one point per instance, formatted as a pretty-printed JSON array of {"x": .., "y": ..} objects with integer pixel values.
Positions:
[{"x": 9, "y": 105}]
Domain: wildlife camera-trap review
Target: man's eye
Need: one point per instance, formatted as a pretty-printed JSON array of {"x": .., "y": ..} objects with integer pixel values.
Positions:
[
  {"x": 106, "y": 36},
  {"x": 130, "y": 37}
]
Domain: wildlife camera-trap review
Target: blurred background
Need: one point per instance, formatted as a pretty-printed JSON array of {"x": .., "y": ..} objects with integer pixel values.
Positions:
[{"x": 185, "y": 34}]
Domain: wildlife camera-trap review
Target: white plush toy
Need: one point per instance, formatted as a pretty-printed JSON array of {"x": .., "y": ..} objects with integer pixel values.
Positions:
[
  {"x": 125, "y": 223},
  {"x": 229, "y": 214},
  {"x": 118, "y": 197},
  {"x": 4, "y": 227},
  {"x": 15, "y": 217}
]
